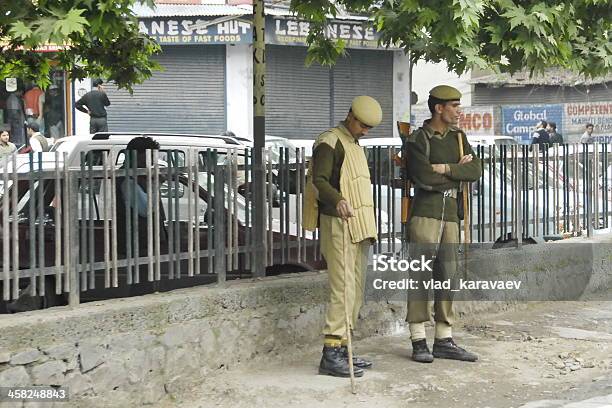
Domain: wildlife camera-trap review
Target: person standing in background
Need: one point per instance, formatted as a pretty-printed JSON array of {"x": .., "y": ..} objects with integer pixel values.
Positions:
[
  {"x": 53, "y": 114},
  {"x": 34, "y": 102},
  {"x": 587, "y": 136},
  {"x": 540, "y": 135},
  {"x": 553, "y": 136},
  {"x": 6, "y": 147},
  {"x": 38, "y": 142},
  {"x": 15, "y": 116}
]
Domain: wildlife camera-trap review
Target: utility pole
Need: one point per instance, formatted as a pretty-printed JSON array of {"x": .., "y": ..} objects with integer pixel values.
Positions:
[
  {"x": 259, "y": 134},
  {"x": 410, "y": 66}
]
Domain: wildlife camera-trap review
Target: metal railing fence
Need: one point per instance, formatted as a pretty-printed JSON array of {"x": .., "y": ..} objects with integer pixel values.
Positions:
[
  {"x": 75, "y": 227},
  {"x": 545, "y": 191},
  {"x": 524, "y": 192},
  {"x": 104, "y": 222}
]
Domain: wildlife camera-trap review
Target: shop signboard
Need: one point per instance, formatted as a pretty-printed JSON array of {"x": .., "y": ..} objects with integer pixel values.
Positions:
[
  {"x": 477, "y": 120},
  {"x": 279, "y": 31},
  {"x": 291, "y": 31},
  {"x": 474, "y": 120},
  {"x": 195, "y": 30},
  {"x": 577, "y": 115},
  {"x": 520, "y": 121}
]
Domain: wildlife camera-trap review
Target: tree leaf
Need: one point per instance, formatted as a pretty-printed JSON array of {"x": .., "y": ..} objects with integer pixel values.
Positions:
[
  {"x": 516, "y": 16},
  {"x": 20, "y": 30},
  {"x": 44, "y": 29},
  {"x": 73, "y": 22}
]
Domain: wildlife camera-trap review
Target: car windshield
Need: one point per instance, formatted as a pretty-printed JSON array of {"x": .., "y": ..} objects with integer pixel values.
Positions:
[
  {"x": 275, "y": 146},
  {"x": 491, "y": 140}
]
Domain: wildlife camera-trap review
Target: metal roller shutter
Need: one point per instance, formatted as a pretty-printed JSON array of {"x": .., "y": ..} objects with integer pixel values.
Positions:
[
  {"x": 187, "y": 97},
  {"x": 536, "y": 94},
  {"x": 300, "y": 103},
  {"x": 484, "y": 95},
  {"x": 365, "y": 72},
  {"x": 297, "y": 97}
]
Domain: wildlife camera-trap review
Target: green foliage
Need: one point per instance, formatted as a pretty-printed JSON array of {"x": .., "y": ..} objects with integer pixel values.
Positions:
[
  {"x": 503, "y": 35},
  {"x": 99, "y": 38},
  {"x": 326, "y": 52},
  {"x": 71, "y": 22}
]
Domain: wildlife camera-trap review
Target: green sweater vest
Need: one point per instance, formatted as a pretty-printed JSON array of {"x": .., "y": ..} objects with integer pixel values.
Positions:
[{"x": 426, "y": 147}]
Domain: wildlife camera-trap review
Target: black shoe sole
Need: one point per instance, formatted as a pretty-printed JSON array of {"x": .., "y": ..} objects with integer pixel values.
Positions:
[
  {"x": 325, "y": 371},
  {"x": 423, "y": 361},
  {"x": 454, "y": 357},
  {"x": 363, "y": 365}
]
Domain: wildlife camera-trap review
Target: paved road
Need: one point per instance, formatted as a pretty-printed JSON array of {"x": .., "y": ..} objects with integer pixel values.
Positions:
[{"x": 542, "y": 355}]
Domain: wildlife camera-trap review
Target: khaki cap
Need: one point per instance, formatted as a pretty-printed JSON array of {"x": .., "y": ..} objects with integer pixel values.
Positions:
[
  {"x": 367, "y": 110},
  {"x": 445, "y": 93}
]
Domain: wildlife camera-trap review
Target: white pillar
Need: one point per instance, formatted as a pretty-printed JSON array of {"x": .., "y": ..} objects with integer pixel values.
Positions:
[
  {"x": 401, "y": 89},
  {"x": 81, "y": 120},
  {"x": 239, "y": 89}
]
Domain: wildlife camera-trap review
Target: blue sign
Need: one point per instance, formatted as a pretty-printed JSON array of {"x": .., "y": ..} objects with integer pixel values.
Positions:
[{"x": 520, "y": 121}]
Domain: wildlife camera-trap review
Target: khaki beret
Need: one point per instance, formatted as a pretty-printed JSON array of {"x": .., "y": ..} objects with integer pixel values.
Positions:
[
  {"x": 367, "y": 110},
  {"x": 445, "y": 93}
]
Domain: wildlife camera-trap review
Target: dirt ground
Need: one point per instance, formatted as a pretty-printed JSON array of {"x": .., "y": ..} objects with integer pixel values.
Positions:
[{"x": 541, "y": 355}]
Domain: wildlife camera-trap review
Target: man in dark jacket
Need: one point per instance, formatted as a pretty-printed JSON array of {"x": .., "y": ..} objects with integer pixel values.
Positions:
[
  {"x": 553, "y": 136},
  {"x": 15, "y": 117},
  {"x": 132, "y": 201},
  {"x": 94, "y": 104},
  {"x": 540, "y": 135}
]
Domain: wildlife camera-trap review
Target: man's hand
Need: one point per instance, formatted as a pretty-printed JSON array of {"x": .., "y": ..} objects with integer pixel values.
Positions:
[
  {"x": 344, "y": 209},
  {"x": 466, "y": 159},
  {"x": 444, "y": 168}
]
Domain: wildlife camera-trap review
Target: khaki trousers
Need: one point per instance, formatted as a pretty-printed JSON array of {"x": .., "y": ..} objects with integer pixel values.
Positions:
[
  {"x": 337, "y": 248},
  {"x": 424, "y": 234}
]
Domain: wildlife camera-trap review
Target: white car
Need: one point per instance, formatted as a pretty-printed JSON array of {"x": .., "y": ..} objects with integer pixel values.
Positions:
[{"x": 491, "y": 140}]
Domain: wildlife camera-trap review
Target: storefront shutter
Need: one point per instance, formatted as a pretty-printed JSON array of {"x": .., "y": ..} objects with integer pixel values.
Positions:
[
  {"x": 297, "y": 97},
  {"x": 365, "y": 72},
  {"x": 187, "y": 97},
  {"x": 302, "y": 102}
]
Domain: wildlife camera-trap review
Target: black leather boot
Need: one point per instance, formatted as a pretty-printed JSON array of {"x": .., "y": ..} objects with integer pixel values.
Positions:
[
  {"x": 447, "y": 348},
  {"x": 357, "y": 361},
  {"x": 332, "y": 363},
  {"x": 420, "y": 352}
]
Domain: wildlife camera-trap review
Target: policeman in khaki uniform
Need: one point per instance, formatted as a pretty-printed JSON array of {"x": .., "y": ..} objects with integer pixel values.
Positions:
[
  {"x": 436, "y": 169},
  {"x": 339, "y": 199}
]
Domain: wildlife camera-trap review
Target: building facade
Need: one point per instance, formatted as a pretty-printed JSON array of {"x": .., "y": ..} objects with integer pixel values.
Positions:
[
  {"x": 206, "y": 85},
  {"x": 22, "y": 101}
]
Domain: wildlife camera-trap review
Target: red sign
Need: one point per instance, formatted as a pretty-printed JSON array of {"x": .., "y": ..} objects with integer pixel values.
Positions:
[{"x": 476, "y": 121}]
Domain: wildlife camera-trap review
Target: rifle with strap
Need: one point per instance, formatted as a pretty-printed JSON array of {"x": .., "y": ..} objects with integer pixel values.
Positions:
[
  {"x": 404, "y": 131},
  {"x": 465, "y": 187},
  {"x": 466, "y": 211}
]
